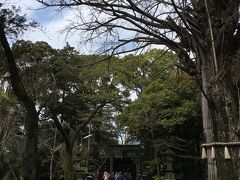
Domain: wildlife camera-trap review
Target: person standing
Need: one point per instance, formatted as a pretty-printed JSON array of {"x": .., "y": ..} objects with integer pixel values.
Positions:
[
  {"x": 120, "y": 176},
  {"x": 106, "y": 175},
  {"x": 139, "y": 176}
]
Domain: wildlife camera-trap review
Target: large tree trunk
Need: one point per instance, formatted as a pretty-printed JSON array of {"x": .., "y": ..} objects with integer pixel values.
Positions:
[
  {"x": 31, "y": 119},
  {"x": 220, "y": 118},
  {"x": 207, "y": 125},
  {"x": 225, "y": 126},
  {"x": 30, "y": 149},
  {"x": 68, "y": 164},
  {"x": 215, "y": 50}
]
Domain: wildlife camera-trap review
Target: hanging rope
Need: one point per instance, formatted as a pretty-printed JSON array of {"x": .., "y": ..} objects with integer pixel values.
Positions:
[{"x": 221, "y": 144}]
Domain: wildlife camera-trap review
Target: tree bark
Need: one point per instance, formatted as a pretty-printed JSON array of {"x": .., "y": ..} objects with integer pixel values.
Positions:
[
  {"x": 207, "y": 125},
  {"x": 220, "y": 119},
  {"x": 68, "y": 164},
  {"x": 31, "y": 118},
  {"x": 53, "y": 150},
  {"x": 30, "y": 149},
  {"x": 226, "y": 127},
  {"x": 220, "y": 106}
]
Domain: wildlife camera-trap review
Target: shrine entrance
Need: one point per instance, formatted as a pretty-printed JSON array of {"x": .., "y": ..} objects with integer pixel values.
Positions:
[
  {"x": 123, "y": 158},
  {"x": 124, "y": 165}
]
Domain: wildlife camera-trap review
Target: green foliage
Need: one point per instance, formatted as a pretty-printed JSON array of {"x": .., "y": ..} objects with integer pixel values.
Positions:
[
  {"x": 12, "y": 22},
  {"x": 166, "y": 97},
  {"x": 4, "y": 105},
  {"x": 63, "y": 86},
  {"x": 167, "y": 104},
  {"x": 10, "y": 136}
]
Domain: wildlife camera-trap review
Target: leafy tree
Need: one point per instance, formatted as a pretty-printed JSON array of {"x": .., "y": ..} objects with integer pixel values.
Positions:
[
  {"x": 33, "y": 60},
  {"x": 11, "y": 138},
  {"x": 205, "y": 37},
  {"x": 166, "y": 106},
  {"x": 84, "y": 93},
  {"x": 11, "y": 23},
  {"x": 66, "y": 92}
]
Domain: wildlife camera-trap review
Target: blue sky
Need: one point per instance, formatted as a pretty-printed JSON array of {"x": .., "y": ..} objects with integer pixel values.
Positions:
[
  {"x": 52, "y": 25},
  {"x": 46, "y": 15}
]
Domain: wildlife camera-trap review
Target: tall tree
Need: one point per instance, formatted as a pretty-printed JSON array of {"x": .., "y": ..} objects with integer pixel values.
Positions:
[
  {"x": 204, "y": 35},
  {"x": 11, "y": 23},
  {"x": 34, "y": 62},
  {"x": 166, "y": 106},
  {"x": 81, "y": 94},
  {"x": 67, "y": 93}
]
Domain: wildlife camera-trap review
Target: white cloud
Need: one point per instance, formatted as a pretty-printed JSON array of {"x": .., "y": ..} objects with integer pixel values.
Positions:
[
  {"x": 51, "y": 32},
  {"x": 26, "y": 5},
  {"x": 52, "y": 25}
]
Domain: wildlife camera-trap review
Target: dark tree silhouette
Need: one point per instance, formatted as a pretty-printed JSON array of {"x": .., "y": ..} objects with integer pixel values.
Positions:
[{"x": 11, "y": 23}]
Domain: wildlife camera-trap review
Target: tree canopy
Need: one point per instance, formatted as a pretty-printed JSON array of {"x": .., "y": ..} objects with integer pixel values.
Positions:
[
  {"x": 203, "y": 34},
  {"x": 141, "y": 96}
]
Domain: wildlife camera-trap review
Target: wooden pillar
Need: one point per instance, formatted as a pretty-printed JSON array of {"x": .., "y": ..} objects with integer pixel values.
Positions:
[
  {"x": 111, "y": 164},
  {"x": 138, "y": 167}
]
